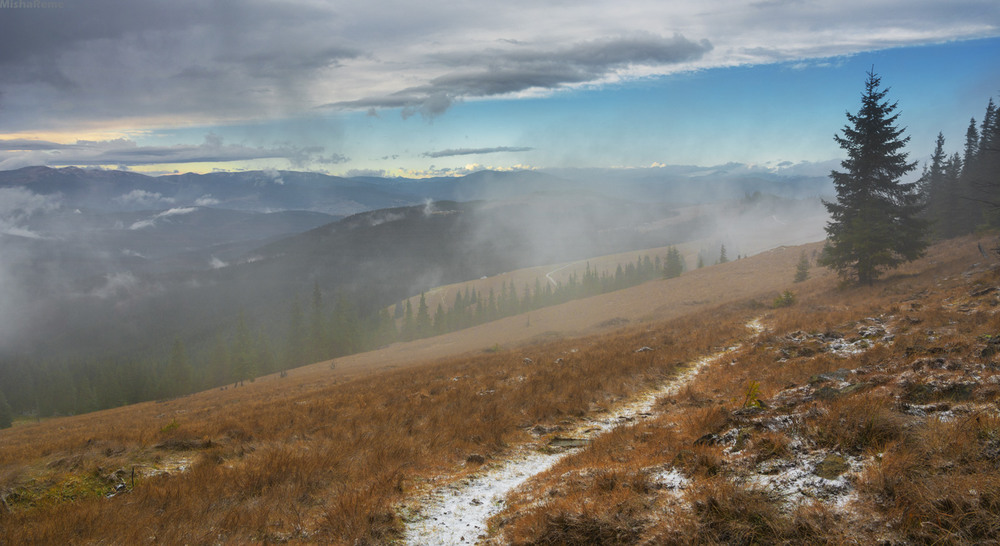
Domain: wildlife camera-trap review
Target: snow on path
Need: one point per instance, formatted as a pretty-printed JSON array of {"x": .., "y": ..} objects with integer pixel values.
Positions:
[{"x": 457, "y": 513}]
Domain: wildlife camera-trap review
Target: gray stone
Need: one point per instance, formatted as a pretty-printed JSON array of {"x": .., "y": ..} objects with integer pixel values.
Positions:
[{"x": 831, "y": 467}]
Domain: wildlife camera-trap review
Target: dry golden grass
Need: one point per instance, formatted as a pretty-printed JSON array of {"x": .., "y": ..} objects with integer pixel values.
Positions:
[
  {"x": 326, "y": 456},
  {"x": 926, "y": 478}
]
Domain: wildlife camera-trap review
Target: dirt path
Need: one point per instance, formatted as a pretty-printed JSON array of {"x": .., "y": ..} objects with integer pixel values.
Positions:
[
  {"x": 558, "y": 269},
  {"x": 457, "y": 513}
]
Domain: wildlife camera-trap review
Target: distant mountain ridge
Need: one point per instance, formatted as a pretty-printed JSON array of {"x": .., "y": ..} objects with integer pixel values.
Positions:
[
  {"x": 271, "y": 190},
  {"x": 261, "y": 191}
]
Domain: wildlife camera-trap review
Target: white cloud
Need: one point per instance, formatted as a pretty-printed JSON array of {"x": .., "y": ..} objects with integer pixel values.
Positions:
[
  {"x": 275, "y": 176},
  {"x": 176, "y": 211},
  {"x": 18, "y": 204},
  {"x": 150, "y": 222},
  {"x": 143, "y": 198},
  {"x": 116, "y": 284},
  {"x": 206, "y": 201}
]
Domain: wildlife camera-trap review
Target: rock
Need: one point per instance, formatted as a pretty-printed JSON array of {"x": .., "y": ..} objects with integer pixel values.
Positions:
[
  {"x": 562, "y": 442},
  {"x": 982, "y": 291},
  {"x": 741, "y": 440},
  {"x": 827, "y": 393},
  {"x": 475, "y": 458},
  {"x": 929, "y": 363},
  {"x": 851, "y": 389},
  {"x": 797, "y": 335},
  {"x": 707, "y": 440},
  {"x": 870, "y": 332},
  {"x": 839, "y": 375},
  {"x": 958, "y": 392},
  {"x": 541, "y": 430},
  {"x": 918, "y": 393},
  {"x": 183, "y": 444},
  {"x": 831, "y": 467},
  {"x": 683, "y": 458}
]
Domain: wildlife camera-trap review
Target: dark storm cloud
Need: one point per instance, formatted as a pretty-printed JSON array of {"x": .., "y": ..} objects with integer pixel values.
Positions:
[
  {"x": 500, "y": 72},
  {"x": 288, "y": 62},
  {"x": 44, "y": 33},
  {"x": 476, "y": 151},
  {"x": 24, "y": 144},
  {"x": 105, "y": 60}
]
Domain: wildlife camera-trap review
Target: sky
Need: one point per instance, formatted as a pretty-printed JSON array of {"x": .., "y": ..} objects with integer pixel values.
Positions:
[{"x": 433, "y": 88}]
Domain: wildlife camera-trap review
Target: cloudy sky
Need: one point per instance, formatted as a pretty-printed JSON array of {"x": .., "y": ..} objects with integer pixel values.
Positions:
[{"x": 426, "y": 87}]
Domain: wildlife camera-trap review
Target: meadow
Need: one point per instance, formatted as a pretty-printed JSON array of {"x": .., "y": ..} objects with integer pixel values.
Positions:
[{"x": 897, "y": 381}]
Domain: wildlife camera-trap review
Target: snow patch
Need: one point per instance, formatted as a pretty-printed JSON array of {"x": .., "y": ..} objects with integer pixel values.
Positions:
[
  {"x": 671, "y": 479},
  {"x": 794, "y": 480}
]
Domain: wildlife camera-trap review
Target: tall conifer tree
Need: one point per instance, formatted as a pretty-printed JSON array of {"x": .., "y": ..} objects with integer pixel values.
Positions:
[
  {"x": 932, "y": 185},
  {"x": 6, "y": 415},
  {"x": 874, "y": 222}
]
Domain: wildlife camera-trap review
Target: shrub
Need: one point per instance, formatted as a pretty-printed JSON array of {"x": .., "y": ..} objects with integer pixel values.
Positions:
[{"x": 786, "y": 299}]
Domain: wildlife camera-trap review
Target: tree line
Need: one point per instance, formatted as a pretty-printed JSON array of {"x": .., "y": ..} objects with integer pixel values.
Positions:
[
  {"x": 962, "y": 188},
  {"x": 316, "y": 328}
]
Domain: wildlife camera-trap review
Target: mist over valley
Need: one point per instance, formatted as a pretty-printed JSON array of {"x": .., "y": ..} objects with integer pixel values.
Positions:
[{"x": 117, "y": 262}]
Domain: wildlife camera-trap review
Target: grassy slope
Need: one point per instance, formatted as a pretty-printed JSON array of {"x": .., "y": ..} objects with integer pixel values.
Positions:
[
  {"x": 325, "y": 455},
  {"x": 905, "y": 414}
]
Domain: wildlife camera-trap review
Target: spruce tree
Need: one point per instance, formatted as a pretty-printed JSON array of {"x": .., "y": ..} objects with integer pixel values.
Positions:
[
  {"x": 180, "y": 372},
  {"x": 973, "y": 207},
  {"x": 242, "y": 352},
  {"x": 802, "y": 268},
  {"x": 674, "y": 264},
  {"x": 424, "y": 325},
  {"x": 971, "y": 145},
  {"x": 6, "y": 415},
  {"x": 874, "y": 222},
  {"x": 722, "y": 255},
  {"x": 295, "y": 350},
  {"x": 318, "y": 338},
  {"x": 988, "y": 161},
  {"x": 986, "y": 129},
  {"x": 409, "y": 330},
  {"x": 955, "y": 205},
  {"x": 932, "y": 185}
]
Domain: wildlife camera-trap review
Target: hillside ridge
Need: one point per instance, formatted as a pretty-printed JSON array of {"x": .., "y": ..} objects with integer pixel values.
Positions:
[{"x": 329, "y": 455}]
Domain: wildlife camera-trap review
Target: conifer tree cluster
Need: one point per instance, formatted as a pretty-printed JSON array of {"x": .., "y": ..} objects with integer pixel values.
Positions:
[
  {"x": 674, "y": 264},
  {"x": 875, "y": 222},
  {"x": 962, "y": 190}
]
